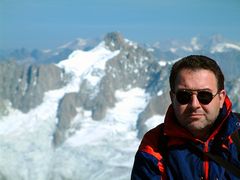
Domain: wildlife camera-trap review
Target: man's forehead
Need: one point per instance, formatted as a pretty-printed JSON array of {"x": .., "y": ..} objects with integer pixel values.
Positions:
[{"x": 196, "y": 79}]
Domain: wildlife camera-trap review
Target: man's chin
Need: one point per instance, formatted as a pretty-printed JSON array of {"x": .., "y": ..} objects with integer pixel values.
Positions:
[{"x": 195, "y": 126}]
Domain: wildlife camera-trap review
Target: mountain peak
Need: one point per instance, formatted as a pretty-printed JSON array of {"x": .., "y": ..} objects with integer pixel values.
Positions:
[{"x": 114, "y": 40}]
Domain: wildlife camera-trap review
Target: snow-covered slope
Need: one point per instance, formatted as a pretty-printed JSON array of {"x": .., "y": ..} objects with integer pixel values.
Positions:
[
  {"x": 99, "y": 150},
  {"x": 94, "y": 149}
]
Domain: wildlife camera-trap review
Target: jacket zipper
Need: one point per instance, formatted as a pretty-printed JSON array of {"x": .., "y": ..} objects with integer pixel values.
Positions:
[{"x": 206, "y": 162}]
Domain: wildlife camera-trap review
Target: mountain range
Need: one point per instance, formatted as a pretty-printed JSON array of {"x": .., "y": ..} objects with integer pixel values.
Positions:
[{"x": 80, "y": 110}]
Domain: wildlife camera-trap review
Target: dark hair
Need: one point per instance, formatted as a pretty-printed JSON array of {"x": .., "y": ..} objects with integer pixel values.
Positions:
[{"x": 196, "y": 62}]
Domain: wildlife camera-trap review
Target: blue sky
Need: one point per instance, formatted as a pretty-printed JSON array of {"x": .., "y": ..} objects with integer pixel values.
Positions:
[{"x": 50, "y": 23}]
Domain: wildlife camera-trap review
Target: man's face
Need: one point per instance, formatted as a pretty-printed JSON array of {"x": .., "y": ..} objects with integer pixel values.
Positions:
[{"x": 194, "y": 116}]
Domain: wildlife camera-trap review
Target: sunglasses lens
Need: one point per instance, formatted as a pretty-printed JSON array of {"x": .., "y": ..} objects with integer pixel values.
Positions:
[
  {"x": 183, "y": 97},
  {"x": 204, "y": 97}
]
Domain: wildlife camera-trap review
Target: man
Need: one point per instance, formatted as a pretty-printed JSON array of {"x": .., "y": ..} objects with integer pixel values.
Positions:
[{"x": 199, "y": 121}]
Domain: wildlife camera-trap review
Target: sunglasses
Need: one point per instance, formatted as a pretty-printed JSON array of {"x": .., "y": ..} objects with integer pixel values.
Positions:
[{"x": 185, "y": 96}]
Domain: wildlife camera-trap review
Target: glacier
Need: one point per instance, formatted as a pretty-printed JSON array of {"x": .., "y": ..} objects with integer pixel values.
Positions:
[{"x": 95, "y": 150}]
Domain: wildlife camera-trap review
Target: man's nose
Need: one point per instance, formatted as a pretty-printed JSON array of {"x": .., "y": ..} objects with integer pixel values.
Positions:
[{"x": 194, "y": 101}]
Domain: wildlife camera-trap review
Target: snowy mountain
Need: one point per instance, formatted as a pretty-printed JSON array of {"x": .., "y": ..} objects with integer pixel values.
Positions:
[
  {"x": 46, "y": 56},
  {"x": 83, "y": 116}
]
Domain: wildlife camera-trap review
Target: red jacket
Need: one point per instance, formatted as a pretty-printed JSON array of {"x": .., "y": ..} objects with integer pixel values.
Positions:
[{"x": 165, "y": 153}]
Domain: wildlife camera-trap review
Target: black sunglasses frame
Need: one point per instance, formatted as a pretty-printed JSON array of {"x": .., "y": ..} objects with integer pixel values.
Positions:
[{"x": 185, "y": 96}]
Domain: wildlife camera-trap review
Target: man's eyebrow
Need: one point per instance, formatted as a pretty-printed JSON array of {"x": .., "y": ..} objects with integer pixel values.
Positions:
[{"x": 203, "y": 89}]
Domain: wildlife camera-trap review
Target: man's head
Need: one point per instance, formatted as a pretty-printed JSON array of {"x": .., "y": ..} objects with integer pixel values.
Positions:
[
  {"x": 197, "y": 93},
  {"x": 196, "y": 62}
]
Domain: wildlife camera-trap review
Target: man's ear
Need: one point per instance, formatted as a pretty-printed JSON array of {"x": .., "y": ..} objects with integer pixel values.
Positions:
[{"x": 222, "y": 96}]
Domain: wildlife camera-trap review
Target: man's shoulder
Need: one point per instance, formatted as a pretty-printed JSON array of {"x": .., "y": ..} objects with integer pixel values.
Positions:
[
  {"x": 155, "y": 133},
  {"x": 154, "y": 142}
]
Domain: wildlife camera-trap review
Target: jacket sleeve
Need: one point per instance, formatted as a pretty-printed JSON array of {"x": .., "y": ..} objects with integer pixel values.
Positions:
[{"x": 145, "y": 167}]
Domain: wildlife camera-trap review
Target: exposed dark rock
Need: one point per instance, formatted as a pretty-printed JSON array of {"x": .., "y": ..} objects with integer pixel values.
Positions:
[
  {"x": 114, "y": 41},
  {"x": 157, "y": 106},
  {"x": 25, "y": 85},
  {"x": 66, "y": 112}
]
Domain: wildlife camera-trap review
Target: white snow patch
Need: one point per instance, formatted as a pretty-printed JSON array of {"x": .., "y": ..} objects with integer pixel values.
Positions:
[
  {"x": 162, "y": 63},
  {"x": 222, "y": 47},
  {"x": 81, "y": 61},
  {"x": 154, "y": 121}
]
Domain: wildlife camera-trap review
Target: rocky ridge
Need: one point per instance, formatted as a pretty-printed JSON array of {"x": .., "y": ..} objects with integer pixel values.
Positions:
[{"x": 132, "y": 67}]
